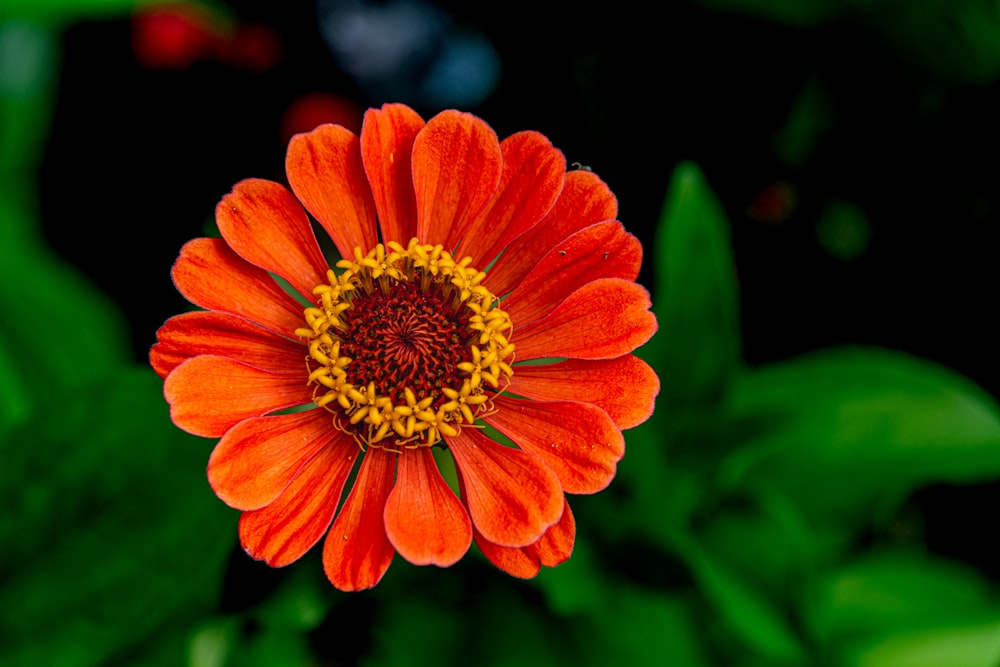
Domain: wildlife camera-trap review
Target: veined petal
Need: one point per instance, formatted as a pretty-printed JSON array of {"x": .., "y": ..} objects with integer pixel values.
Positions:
[
  {"x": 208, "y": 395},
  {"x": 515, "y": 561},
  {"x": 211, "y": 275},
  {"x": 357, "y": 551},
  {"x": 283, "y": 531},
  {"x": 603, "y": 319},
  {"x": 325, "y": 171},
  {"x": 602, "y": 250},
  {"x": 584, "y": 200},
  {"x": 456, "y": 170},
  {"x": 256, "y": 459},
  {"x": 267, "y": 226},
  {"x": 552, "y": 548},
  {"x": 224, "y": 335},
  {"x": 532, "y": 178},
  {"x": 578, "y": 441},
  {"x": 424, "y": 520},
  {"x": 386, "y": 147},
  {"x": 511, "y": 495},
  {"x": 556, "y": 545},
  {"x": 624, "y": 387}
]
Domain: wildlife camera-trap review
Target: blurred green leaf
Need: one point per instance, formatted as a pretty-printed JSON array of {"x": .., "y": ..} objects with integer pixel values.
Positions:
[
  {"x": 770, "y": 544},
  {"x": 808, "y": 119},
  {"x": 906, "y": 609},
  {"x": 57, "y": 332},
  {"x": 272, "y": 648},
  {"x": 67, "y": 10},
  {"x": 843, "y": 230},
  {"x": 397, "y": 639},
  {"x": 971, "y": 645},
  {"x": 897, "y": 590},
  {"x": 745, "y": 611},
  {"x": 125, "y": 534},
  {"x": 877, "y": 421},
  {"x": 698, "y": 347},
  {"x": 300, "y": 604},
  {"x": 636, "y": 626},
  {"x": 576, "y": 586}
]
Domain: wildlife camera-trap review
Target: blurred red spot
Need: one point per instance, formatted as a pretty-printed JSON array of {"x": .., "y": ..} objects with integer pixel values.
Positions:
[
  {"x": 773, "y": 204},
  {"x": 313, "y": 109},
  {"x": 173, "y": 36},
  {"x": 178, "y": 35}
]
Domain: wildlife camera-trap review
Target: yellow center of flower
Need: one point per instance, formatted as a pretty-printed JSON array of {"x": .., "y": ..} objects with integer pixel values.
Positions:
[{"x": 406, "y": 345}]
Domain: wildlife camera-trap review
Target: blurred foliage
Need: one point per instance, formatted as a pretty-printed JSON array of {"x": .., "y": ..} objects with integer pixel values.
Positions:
[
  {"x": 752, "y": 522},
  {"x": 956, "y": 40}
]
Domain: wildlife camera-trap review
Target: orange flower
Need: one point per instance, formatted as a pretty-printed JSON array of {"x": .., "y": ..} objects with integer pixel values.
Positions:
[{"x": 485, "y": 294}]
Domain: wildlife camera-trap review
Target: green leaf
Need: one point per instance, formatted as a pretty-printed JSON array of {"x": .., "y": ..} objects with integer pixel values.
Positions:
[
  {"x": 636, "y": 626},
  {"x": 751, "y": 616},
  {"x": 698, "y": 348},
  {"x": 905, "y": 609},
  {"x": 972, "y": 645},
  {"x": 57, "y": 332},
  {"x": 846, "y": 430},
  {"x": 125, "y": 534},
  {"x": 892, "y": 591}
]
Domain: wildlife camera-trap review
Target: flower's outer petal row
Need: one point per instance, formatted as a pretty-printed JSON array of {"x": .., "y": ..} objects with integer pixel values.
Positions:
[
  {"x": 624, "y": 387},
  {"x": 386, "y": 147},
  {"x": 357, "y": 552},
  {"x": 208, "y": 395},
  {"x": 578, "y": 441},
  {"x": 603, "y": 250},
  {"x": 532, "y": 178},
  {"x": 424, "y": 520},
  {"x": 211, "y": 275},
  {"x": 603, "y": 319},
  {"x": 208, "y": 332},
  {"x": 267, "y": 226},
  {"x": 554, "y": 547},
  {"x": 325, "y": 171},
  {"x": 285, "y": 530},
  {"x": 584, "y": 200},
  {"x": 456, "y": 169},
  {"x": 256, "y": 459},
  {"x": 511, "y": 495}
]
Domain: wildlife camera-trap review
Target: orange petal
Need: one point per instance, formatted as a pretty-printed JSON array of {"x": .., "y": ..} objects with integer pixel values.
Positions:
[
  {"x": 602, "y": 250},
  {"x": 532, "y": 178},
  {"x": 266, "y": 225},
  {"x": 256, "y": 459},
  {"x": 603, "y": 319},
  {"x": 515, "y": 561},
  {"x": 423, "y": 519},
  {"x": 556, "y": 545},
  {"x": 552, "y": 548},
  {"x": 511, "y": 495},
  {"x": 209, "y": 274},
  {"x": 357, "y": 551},
  {"x": 625, "y": 387},
  {"x": 456, "y": 169},
  {"x": 386, "y": 146},
  {"x": 208, "y": 332},
  {"x": 576, "y": 440},
  {"x": 584, "y": 200},
  {"x": 286, "y": 529},
  {"x": 325, "y": 171},
  {"x": 209, "y": 395}
]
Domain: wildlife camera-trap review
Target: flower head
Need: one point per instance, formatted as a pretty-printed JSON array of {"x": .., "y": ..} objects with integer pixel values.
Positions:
[{"x": 483, "y": 293}]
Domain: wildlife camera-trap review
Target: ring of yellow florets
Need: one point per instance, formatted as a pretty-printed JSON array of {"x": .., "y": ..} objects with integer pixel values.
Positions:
[{"x": 436, "y": 345}]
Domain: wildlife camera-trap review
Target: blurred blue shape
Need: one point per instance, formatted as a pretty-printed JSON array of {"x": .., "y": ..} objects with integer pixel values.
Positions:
[{"x": 409, "y": 51}]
